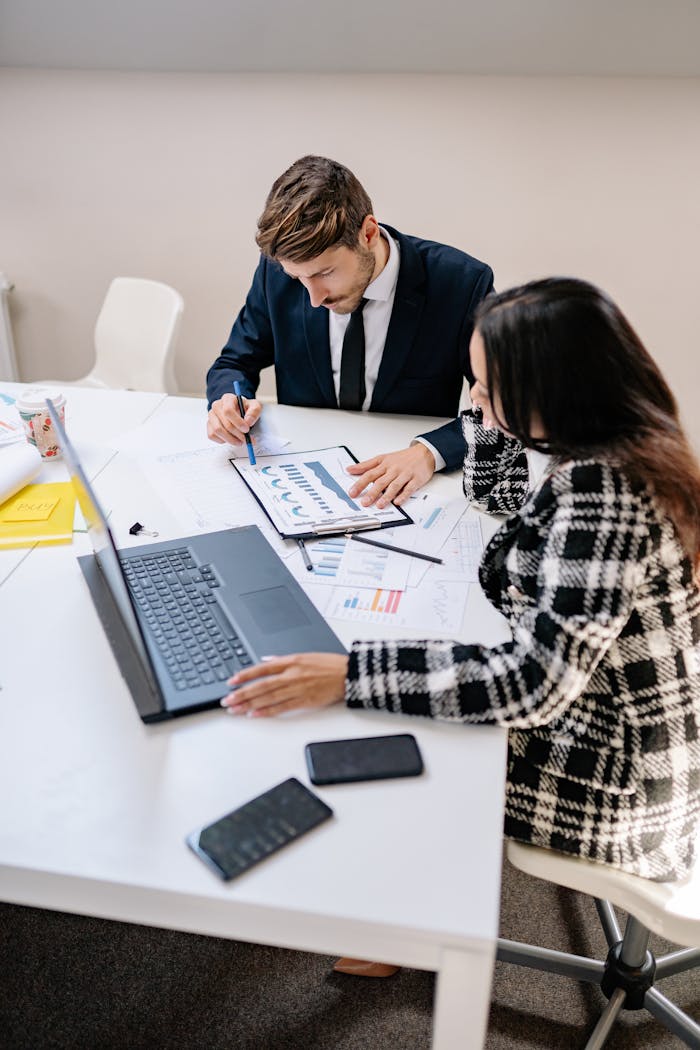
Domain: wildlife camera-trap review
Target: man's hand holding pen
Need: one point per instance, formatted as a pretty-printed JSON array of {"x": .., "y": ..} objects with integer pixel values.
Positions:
[
  {"x": 241, "y": 412},
  {"x": 225, "y": 423}
]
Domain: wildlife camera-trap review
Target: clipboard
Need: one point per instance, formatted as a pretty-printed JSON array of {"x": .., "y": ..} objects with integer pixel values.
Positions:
[{"x": 304, "y": 494}]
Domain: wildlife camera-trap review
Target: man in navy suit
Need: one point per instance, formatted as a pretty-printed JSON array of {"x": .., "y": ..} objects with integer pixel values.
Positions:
[{"x": 393, "y": 334}]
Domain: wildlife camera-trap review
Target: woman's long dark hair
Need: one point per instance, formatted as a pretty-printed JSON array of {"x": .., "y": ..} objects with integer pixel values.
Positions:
[{"x": 559, "y": 350}]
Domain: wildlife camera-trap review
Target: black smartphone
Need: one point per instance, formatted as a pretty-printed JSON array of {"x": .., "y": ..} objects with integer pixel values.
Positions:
[
  {"x": 258, "y": 828},
  {"x": 363, "y": 758}
]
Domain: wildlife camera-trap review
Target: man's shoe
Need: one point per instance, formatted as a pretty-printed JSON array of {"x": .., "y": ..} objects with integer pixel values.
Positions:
[{"x": 363, "y": 968}]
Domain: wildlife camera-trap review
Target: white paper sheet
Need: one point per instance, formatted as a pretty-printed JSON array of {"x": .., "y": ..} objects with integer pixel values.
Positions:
[
  {"x": 461, "y": 552},
  {"x": 338, "y": 561},
  {"x": 20, "y": 463},
  {"x": 437, "y": 609},
  {"x": 188, "y": 433},
  {"x": 204, "y": 493},
  {"x": 304, "y": 492},
  {"x": 434, "y": 521}
]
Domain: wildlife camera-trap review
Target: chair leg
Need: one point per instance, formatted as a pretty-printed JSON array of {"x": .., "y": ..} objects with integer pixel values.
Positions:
[
  {"x": 677, "y": 962},
  {"x": 673, "y": 1018},
  {"x": 549, "y": 960},
  {"x": 608, "y": 920},
  {"x": 626, "y": 977},
  {"x": 606, "y": 1020}
]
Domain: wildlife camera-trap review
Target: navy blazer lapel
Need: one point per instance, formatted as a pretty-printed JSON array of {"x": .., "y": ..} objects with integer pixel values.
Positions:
[
  {"x": 319, "y": 348},
  {"x": 409, "y": 301}
]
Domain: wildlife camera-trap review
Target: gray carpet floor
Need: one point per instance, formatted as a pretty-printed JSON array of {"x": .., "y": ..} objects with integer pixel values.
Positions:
[{"x": 73, "y": 983}]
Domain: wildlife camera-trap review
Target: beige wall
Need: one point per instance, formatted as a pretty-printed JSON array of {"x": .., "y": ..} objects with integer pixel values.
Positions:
[{"x": 164, "y": 175}]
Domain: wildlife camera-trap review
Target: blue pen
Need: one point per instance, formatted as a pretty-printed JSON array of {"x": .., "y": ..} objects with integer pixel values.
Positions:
[{"x": 241, "y": 409}]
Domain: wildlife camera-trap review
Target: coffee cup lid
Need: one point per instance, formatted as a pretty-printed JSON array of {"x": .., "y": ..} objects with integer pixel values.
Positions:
[{"x": 34, "y": 399}]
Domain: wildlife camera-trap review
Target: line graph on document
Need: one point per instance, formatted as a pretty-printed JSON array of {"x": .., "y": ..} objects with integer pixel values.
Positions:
[
  {"x": 461, "y": 552},
  {"x": 447, "y": 601}
]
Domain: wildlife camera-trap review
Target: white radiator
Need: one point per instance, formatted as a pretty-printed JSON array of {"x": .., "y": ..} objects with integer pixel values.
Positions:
[{"x": 8, "y": 360}]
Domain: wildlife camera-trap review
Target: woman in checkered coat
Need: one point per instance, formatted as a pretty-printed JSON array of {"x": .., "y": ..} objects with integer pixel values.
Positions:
[{"x": 596, "y": 568}]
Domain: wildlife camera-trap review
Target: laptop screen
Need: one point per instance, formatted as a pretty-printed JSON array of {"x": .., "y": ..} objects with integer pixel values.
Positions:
[{"x": 103, "y": 545}]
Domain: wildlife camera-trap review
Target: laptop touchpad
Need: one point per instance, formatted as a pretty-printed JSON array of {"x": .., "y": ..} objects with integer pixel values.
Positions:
[{"x": 274, "y": 609}]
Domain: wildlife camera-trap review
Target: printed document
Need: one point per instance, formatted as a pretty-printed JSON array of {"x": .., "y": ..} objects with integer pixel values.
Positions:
[{"x": 306, "y": 494}]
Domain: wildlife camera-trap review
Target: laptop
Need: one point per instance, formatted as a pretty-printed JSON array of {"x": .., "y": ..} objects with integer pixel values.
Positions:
[{"x": 183, "y": 615}]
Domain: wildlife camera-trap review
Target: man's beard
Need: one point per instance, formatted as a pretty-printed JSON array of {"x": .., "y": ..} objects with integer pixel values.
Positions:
[{"x": 352, "y": 299}]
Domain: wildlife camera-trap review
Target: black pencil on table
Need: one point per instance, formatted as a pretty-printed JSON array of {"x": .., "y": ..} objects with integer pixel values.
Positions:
[
  {"x": 389, "y": 547},
  {"x": 305, "y": 555}
]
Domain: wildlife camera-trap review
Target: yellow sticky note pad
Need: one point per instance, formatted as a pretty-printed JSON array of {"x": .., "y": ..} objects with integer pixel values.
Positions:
[
  {"x": 32, "y": 509},
  {"x": 38, "y": 514}
]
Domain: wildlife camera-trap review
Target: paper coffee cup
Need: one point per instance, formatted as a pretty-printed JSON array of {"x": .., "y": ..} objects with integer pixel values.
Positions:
[{"x": 35, "y": 417}]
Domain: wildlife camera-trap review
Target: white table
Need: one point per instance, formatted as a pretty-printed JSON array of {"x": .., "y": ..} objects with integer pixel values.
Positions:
[
  {"x": 98, "y": 804},
  {"x": 96, "y": 419}
]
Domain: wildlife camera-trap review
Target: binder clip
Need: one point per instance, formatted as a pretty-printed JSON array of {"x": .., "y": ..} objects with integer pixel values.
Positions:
[{"x": 137, "y": 529}]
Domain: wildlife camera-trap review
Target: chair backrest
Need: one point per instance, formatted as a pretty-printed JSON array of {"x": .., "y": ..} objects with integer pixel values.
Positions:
[{"x": 135, "y": 335}]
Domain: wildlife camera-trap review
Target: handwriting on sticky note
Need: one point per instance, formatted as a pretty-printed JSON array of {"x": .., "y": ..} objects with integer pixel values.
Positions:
[{"x": 30, "y": 510}]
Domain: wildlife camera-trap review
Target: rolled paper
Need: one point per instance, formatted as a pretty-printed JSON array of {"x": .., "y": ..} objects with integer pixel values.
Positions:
[{"x": 19, "y": 464}]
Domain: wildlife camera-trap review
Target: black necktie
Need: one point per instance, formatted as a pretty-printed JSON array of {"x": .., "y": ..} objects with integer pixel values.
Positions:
[{"x": 352, "y": 364}]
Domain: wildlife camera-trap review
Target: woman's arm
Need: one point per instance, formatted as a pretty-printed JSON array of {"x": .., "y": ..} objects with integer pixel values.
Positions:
[{"x": 585, "y": 576}]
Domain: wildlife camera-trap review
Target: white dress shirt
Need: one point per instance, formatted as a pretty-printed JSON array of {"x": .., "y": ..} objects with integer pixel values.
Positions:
[{"x": 376, "y": 315}]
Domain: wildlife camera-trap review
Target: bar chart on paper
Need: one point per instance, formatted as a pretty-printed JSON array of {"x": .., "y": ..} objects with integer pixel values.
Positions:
[
  {"x": 367, "y": 605},
  {"x": 436, "y": 611},
  {"x": 341, "y": 562},
  {"x": 328, "y": 557}
]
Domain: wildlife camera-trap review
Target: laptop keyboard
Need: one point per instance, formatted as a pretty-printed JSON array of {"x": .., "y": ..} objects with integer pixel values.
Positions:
[{"x": 176, "y": 597}]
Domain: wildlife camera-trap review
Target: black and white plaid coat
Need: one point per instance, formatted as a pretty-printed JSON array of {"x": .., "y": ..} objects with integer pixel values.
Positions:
[{"x": 600, "y": 685}]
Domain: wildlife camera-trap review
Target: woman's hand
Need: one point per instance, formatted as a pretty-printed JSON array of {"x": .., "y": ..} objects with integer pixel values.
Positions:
[{"x": 284, "y": 683}]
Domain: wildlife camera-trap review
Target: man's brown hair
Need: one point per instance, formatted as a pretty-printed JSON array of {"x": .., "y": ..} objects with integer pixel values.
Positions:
[{"x": 315, "y": 205}]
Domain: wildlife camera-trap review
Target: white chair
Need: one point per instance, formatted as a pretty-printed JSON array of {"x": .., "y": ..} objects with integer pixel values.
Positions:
[
  {"x": 629, "y": 975},
  {"x": 135, "y": 337}
]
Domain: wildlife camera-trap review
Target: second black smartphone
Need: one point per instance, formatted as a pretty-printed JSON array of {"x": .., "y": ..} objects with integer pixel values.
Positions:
[
  {"x": 363, "y": 758},
  {"x": 258, "y": 828}
]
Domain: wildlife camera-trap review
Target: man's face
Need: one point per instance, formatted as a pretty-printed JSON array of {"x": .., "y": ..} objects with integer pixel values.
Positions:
[{"x": 335, "y": 279}]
